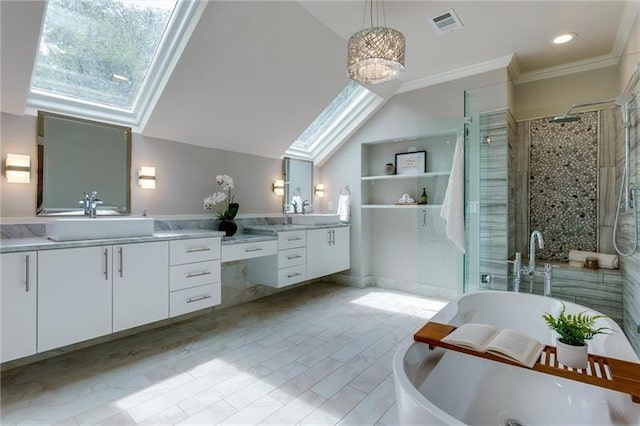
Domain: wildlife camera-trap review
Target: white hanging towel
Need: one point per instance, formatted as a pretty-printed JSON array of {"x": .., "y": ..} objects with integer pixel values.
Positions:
[
  {"x": 452, "y": 210},
  {"x": 343, "y": 208}
]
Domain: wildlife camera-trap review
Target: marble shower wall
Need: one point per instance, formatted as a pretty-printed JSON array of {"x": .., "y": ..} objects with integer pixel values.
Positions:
[
  {"x": 626, "y": 233},
  {"x": 497, "y": 199}
]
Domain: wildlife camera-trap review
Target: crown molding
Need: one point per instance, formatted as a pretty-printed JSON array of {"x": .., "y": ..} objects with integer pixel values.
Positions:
[
  {"x": 631, "y": 9},
  {"x": 604, "y": 61},
  {"x": 455, "y": 74}
]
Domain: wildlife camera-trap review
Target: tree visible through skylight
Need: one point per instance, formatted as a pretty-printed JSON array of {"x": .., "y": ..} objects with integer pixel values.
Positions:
[
  {"x": 99, "y": 50},
  {"x": 328, "y": 117}
]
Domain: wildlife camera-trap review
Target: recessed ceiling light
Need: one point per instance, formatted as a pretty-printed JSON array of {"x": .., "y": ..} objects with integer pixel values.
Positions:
[{"x": 564, "y": 38}]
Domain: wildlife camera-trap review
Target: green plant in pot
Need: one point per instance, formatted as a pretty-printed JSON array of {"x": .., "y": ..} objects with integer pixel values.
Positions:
[{"x": 574, "y": 330}]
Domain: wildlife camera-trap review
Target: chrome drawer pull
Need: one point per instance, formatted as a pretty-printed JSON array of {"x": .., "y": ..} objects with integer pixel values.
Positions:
[
  {"x": 297, "y": 256},
  {"x": 198, "y": 298},
  {"x": 106, "y": 264},
  {"x": 194, "y": 250},
  {"x": 252, "y": 249},
  {"x": 294, "y": 239},
  {"x": 26, "y": 287},
  {"x": 121, "y": 262},
  {"x": 294, "y": 275},
  {"x": 199, "y": 274}
]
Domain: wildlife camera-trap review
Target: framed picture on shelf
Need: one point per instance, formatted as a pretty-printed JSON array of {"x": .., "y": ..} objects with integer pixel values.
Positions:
[{"x": 411, "y": 163}]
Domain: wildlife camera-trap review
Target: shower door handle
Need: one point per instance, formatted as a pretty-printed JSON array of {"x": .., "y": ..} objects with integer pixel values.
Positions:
[{"x": 424, "y": 219}]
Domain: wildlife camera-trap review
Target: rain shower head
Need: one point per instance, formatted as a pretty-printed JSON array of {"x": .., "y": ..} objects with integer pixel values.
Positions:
[{"x": 566, "y": 118}]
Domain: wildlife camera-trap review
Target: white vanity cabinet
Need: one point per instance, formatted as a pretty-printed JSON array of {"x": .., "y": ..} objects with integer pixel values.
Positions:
[
  {"x": 194, "y": 275},
  {"x": 18, "y": 304},
  {"x": 140, "y": 284},
  {"x": 74, "y": 295},
  {"x": 327, "y": 251},
  {"x": 287, "y": 266},
  {"x": 93, "y": 291}
]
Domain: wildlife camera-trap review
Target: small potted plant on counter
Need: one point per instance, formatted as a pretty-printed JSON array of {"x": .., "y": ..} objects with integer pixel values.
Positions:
[{"x": 574, "y": 330}]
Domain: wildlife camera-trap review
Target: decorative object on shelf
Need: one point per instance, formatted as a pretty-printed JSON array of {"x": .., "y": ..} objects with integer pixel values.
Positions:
[
  {"x": 278, "y": 187},
  {"x": 389, "y": 169},
  {"x": 17, "y": 168},
  {"x": 591, "y": 263},
  {"x": 574, "y": 331},
  {"x": 230, "y": 211},
  {"x": 424, "y": 199},
  {"x": 147, "y": 177},
  {"x": 319, "y": 190},
  {"x": 411, "y": 163},
  {"x": 406, "y": 199},
  {"x": 375, "y": 54}
]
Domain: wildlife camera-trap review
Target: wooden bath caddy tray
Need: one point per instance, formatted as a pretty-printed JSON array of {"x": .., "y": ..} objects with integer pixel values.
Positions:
[{"x": 610, "y": 373}]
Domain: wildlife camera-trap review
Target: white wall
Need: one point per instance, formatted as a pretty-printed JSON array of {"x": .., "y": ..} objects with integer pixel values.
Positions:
[
  {"x": 185, "y": 175},
  {"x": 630, "y": 59},
  {"x": 399, "y": 118},
  {"x": 553, "y": 96}
]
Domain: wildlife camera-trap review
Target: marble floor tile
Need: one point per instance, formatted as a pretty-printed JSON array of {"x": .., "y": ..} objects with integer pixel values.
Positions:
[{"x": 318, "y": 354}]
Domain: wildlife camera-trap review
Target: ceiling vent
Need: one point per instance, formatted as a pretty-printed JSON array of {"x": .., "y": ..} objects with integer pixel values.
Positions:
[{"x": 446, "y": 22}]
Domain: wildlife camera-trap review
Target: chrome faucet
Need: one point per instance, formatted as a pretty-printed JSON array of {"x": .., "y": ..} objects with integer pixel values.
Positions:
[
  {"x": 306, "y": 207},
  {"x": 89, "y": 203},
  {"x": 532, "y": 248},
  {"x": 530, "y": 271}
]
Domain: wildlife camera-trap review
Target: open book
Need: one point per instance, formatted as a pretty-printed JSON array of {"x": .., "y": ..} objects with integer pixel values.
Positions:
[{"x": 510, "y": 344}]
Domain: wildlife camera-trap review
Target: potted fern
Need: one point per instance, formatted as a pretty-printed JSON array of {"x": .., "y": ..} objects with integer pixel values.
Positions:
[{"x": 574, "y": 330}]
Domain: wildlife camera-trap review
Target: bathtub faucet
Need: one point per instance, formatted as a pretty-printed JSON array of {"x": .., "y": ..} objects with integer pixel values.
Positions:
[{"x": 530, "y": 271}]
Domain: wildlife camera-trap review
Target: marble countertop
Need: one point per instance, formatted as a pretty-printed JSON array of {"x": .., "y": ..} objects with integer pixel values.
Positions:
[
  {"x": 253, "y": 233},
  {"x": 26, "y": 244},
  {"x": 274, "y": 229}
]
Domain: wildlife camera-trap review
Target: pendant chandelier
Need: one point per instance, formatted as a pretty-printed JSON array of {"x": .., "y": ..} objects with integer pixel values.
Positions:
[{"x": 375, "y": 54}]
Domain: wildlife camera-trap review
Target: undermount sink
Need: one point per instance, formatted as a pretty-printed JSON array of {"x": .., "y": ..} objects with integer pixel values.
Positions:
[
  {"x": 84, "y": 228},
  {"x": 315, "y": 219}
]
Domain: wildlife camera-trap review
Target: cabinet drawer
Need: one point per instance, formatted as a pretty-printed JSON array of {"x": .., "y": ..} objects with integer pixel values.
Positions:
[
  {"x": 194, "y": 299},
  {"x": 292, "y": 239},
  {"x": 292, "y": 257},
  {"x": 194, "y": 274},
  {"x": 194, "y": 250},
  {"x": 249, "y": 250},
  {"x": 292, "y": 275}
]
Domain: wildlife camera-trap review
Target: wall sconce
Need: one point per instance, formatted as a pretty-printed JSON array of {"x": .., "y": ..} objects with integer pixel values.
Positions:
[
  {"x": 278, "y": 187},
  {"x": 147, "y": 177},
  {"x": 18, "y": 168},
  {"x": 319, "y": 190}
]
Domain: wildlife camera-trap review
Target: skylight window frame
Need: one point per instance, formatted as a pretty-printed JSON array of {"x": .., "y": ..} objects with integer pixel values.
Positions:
[
  {"x": 343, "y": 125},
  {"x": 181, "y": 25}
]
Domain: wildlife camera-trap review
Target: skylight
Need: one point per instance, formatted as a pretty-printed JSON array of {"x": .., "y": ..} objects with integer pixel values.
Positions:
[
  {"x": 344, "y": 114},
  {"x": 108, "y": 58}
]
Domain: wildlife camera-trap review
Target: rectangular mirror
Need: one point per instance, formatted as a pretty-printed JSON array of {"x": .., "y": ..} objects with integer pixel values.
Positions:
[
  {"x": 78, "y": 156},
  {"x": 298, "y": 183}
]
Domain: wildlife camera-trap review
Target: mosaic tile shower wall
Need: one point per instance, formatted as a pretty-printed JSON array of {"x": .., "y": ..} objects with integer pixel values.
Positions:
[{"x": 563, "y": 185}]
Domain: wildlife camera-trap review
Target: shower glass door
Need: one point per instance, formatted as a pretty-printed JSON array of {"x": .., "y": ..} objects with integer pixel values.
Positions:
[
  {"x": 490, "y": 182},
  {"x": 440, "y": 265}
]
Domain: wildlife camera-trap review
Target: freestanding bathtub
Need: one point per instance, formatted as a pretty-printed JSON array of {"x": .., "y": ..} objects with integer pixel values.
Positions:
[{"x": 442, "y": 387}]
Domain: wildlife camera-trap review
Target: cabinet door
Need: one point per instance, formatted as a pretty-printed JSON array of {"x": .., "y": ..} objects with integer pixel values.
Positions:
[
  {"x": 327, "y": 251},
  {"x": 140, "y": 284},
  {"x": 74, "y": 295},
  {"x": 341, "y": 250},
  {"x": 18, "y": 305}
]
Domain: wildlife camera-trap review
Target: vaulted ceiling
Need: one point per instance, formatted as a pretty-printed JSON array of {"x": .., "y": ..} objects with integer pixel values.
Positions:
[{"x": 255, "y": 74}]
